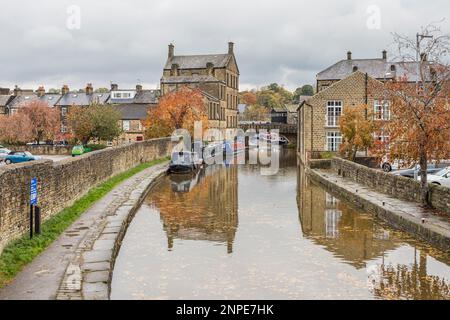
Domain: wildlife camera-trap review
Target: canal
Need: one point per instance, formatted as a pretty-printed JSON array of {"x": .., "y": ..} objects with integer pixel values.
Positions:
[{"x": 232, "y": 233}]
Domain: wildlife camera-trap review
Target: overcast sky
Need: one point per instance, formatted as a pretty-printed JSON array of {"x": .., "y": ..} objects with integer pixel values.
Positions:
[{"x": 284, "y": 41}]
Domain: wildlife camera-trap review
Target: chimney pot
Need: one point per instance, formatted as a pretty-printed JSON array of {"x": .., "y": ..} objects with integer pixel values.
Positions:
[
  {"x": 171, "y": 50},
  {"x": 89, "y": 88},
  {"x": 114, "y": 87},
  {"x": 384, "y": 55},
  {"x": 65, "y": 89},
  {"x": 17, "y": 90},
  {"x": 40, "y": 91},
  {"x": 138, "y": 88},
  {"x": 230, "y": 47},
  {"x": 349, "y": 55}
]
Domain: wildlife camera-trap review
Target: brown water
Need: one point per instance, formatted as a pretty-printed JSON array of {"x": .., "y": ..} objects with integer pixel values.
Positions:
[{"x": 231, "y": 233}]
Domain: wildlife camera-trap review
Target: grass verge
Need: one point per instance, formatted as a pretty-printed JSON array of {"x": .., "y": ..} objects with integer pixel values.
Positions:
[{"x": 22, "y": 251}]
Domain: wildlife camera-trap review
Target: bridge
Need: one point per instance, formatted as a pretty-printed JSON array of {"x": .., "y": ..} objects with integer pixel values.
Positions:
[{"x": 288, "y": 130}]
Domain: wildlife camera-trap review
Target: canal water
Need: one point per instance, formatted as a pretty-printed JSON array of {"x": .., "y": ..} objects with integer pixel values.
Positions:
[{"x": 231, "y": 233}]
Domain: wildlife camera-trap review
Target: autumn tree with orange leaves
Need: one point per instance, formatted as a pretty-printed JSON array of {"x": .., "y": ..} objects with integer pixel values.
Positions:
[
  {"x": 419, "y": 126},
  {"x": 15, "y": 129},
  {"x": 176, "y": 110},
  {"x": 357, "y": 128}
]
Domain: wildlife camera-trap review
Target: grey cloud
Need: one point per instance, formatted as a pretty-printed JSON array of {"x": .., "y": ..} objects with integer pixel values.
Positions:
[{"x": 276, "y": 41}]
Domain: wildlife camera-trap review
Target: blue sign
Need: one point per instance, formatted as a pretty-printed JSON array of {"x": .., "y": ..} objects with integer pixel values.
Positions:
[{"x": 34, "y": 192}]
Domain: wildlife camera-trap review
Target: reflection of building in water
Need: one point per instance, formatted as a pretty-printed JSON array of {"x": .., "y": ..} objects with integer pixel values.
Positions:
[
  {"x": 214, "y": 215},
  {"x": 354, "y": 237},
  {"x": 342, "y": 230}
]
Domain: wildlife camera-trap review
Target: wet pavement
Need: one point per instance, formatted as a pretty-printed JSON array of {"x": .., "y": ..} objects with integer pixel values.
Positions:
[{"x": 231, "y": 233}]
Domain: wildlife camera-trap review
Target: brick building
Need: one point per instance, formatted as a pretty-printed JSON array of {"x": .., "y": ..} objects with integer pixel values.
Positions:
[
  {"x": 318, "y": 117},
  {"x": 216, "y": 75}
]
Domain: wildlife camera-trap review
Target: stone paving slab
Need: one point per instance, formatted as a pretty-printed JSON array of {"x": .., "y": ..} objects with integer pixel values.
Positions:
[
  {"x": 408, "y": 216},
  {"x": 58, "y": 272}
]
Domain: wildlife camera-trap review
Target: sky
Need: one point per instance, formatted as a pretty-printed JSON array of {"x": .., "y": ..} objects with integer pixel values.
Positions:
[{"x": 51, "y": 43}]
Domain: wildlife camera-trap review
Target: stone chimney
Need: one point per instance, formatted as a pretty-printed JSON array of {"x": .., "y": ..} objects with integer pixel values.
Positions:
[
  {"x": 210, "y": 68},
  {"x": 230, "y": 48},
  {"x": 40, "y": 91},
  {"x": 65, "y": 89},
  {"x": 384, "y": 54},
  {"x": 89, "y": 88},
  {"x": 349, "y": 55},
  {"x": 174, "y": 70},
  {"x": 171, "y": 51},
  {"x": 17, "y": 91},
  {"x": 4, "y": 91},
  {"x": 114, "y": 87},
  {"x": 138, "y": 88}
]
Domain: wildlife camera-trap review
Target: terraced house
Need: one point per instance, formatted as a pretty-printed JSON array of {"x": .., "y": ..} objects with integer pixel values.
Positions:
[{"x": 216, "y": 75}]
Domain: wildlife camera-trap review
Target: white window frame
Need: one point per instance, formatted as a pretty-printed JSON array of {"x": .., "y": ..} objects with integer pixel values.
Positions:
[
  {"x": 126, "y": 125},
  {"x": 334, "y": 112},
  {"x": 381, "y": 109},
  {"x": 333, "y": 140}
]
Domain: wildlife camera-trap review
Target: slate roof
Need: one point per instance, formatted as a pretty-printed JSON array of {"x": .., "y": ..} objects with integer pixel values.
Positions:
[
  {"x": 198, "y": 61},
  {"x": 82, "y": 99},
  {"x": 147, "y": 97},
  {"x": 18, "y": 101},
  {"x": 4, "y": 99},
  {"x": 132, "y": 111},
  {"x": 189, "y": 79},
  {"x": 51, "y": 98},
  {"x": 376, "y": 68}
]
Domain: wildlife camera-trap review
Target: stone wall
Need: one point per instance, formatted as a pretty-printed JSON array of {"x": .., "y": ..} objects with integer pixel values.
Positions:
[
  {"x": 44, "y": 150},
  {"x": 62, "y": 183},
  {"x": 395, "y": 185}
]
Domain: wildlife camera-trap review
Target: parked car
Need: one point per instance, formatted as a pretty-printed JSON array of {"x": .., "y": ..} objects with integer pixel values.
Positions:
[
  {"x": 441, "y": 177},
  {"x": 20, "y": 156},
  {"x": 3, "y": 153},
  {"x": 414, "y": 170},
  {"x": 78, "y": 150}
]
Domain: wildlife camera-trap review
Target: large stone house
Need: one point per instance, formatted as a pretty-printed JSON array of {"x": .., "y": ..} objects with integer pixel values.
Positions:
[
  {"x": 318, "y": 117},
  {"x": 378, "y": 68},
  {"x": 216, "y": 75}
]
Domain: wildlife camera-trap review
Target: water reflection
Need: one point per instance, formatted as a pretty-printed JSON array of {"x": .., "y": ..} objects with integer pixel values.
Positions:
[
  {"x": 199, "y": 207},
  {"x": 357, "y": 239},
  {"x": 231, "y": 233}
]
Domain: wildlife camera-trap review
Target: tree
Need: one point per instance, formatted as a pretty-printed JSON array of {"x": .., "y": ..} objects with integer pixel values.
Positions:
[
  {"x": 307, "y": 90},
  {"x": 256, "y": 113},
  {"x": 419, "y": 129},
  {"x": 176, "y": 110},
  {"x": 96, "y": 121},
  {"x": 357, "y": 128},
  {"x": 45, "y": 121},
  {"x": 15, "y": 129},
  {"x": 248, "y": 98}
]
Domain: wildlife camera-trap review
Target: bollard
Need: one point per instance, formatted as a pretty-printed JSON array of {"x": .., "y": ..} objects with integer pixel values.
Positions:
[{"x": 37, "y": 220}]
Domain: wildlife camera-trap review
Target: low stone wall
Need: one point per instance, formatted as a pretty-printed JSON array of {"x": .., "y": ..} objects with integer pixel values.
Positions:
[
  {"x": 395, "y": 185},
  {"x": 44, "y": 150},
  {"x": 61, "y": 183},
  {"x": 319, "y": 163}
]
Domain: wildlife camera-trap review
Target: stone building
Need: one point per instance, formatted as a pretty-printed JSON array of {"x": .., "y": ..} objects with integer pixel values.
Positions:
[
  {"x": 216, "y": 75},
  {"x": 318, "y": 117},
  {"x": 378, "y": 68}
]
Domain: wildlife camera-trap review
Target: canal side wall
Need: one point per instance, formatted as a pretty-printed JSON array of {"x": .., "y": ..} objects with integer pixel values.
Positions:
[
  {"x": 434, "y": 235},
  {"x": 395, "y": 185},
  {"x": 61, "y": 183}
]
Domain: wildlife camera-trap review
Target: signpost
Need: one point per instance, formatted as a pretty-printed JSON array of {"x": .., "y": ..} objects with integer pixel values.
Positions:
[{"x": 34, "y": 208}]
